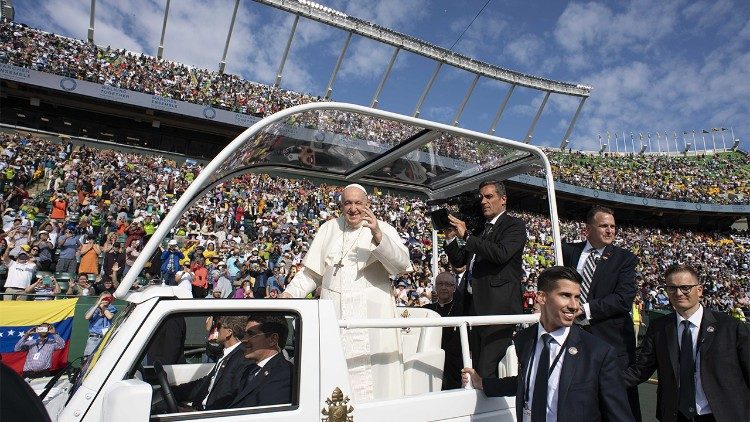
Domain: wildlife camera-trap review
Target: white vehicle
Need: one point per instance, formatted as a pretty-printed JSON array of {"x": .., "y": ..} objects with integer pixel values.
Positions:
[{"x": 330, "y": 141}]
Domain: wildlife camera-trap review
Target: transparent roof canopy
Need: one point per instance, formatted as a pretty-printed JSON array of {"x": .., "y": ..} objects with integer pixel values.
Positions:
[{"x": 346, "y": 142}]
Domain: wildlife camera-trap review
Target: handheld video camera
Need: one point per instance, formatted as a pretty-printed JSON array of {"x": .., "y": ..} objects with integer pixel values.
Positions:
[{"x": 466, "y": 206}]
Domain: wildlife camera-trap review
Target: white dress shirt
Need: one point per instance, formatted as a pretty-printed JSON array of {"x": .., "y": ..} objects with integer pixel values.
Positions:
[
  {"x": 701, "y": 402},
  {"x": 558, "y": 339},
  {"x": 581, "y": 262}
]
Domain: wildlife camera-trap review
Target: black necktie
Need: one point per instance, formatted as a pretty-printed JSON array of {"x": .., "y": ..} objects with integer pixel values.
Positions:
[
  {"x": 539, "y": 400},
  {"x": 686, "y": 398},
  {"x": 487, "y": 229}
]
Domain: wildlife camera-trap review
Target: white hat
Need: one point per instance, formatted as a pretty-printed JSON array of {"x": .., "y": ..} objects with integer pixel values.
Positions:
[{"x": 172, "y": 242}]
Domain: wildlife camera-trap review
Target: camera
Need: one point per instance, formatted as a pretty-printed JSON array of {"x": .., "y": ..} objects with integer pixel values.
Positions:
[{"x": 466, "y": 206}]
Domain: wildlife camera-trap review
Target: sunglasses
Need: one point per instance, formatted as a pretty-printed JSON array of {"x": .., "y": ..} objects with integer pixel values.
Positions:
[
  {"x": 685, "y": 289},
  {"x": 251, "y": 334}
]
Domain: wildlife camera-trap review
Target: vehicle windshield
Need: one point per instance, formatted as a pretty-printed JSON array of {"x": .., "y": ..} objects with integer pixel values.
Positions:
[{"x": 89, "y": 364}]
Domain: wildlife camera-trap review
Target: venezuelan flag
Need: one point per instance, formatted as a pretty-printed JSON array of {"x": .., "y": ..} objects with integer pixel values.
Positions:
[{"x": 16, "y": 317}]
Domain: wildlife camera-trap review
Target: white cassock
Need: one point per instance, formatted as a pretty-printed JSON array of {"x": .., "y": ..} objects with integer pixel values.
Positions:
[{"x": 360, "y": 288}]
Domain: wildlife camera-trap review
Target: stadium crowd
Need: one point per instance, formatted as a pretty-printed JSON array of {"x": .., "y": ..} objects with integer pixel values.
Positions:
[
  {"x": 94, "y": 210},
  {"x": 719, "y": 179}
]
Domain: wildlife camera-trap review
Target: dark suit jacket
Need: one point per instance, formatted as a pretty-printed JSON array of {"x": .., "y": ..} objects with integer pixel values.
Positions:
[
  {"x": 611, "y": 297},
  {"x": 272, "y": 385},
  {"x": 226, "y": 386},
  {"x": 497, "y": 272},
  {"x": 590, "y": 388},
  {"x": 724, "y": 347}
]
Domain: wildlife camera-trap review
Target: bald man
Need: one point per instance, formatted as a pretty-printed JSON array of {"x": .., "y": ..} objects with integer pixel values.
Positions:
[{"x": 351, "y": 259}]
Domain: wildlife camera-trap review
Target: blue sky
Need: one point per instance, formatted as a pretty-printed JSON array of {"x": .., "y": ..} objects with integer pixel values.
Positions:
[{"x": 655, "y": 66}]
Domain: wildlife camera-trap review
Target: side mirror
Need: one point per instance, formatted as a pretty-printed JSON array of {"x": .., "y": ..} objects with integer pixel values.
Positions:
[{"x": 127, "y": 401}]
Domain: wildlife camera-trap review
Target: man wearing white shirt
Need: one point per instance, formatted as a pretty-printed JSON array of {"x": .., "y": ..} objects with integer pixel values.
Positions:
[
  {"x": 608, "y": 288},
  {"x": 566, "y": 374},
  {"x": 703, "y": 357},
  {"x": 269, "y": 381}
]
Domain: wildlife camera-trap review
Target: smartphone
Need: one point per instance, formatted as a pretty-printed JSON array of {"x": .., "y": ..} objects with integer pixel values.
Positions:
[{"x": 440, "y": 219}]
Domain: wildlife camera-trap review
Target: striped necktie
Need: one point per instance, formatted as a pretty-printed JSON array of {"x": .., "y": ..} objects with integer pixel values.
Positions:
[{"x": 588, "y": 273}]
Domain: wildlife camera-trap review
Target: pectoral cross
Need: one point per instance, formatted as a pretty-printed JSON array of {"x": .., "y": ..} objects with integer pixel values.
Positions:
[{"x": 337, "y": 266}]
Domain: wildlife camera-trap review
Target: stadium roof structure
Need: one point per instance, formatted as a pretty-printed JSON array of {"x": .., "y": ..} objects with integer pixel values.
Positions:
[
  {"x": 348, "y": 143},
  {"x": 437, "y": 54}
]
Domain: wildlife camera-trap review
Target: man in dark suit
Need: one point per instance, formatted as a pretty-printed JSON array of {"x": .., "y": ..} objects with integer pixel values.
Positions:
[
  {"x": 608, "y": 288},
  {"x": 703, "y": 357},
  {"x": 461, "y": 294},
  {"x": 565, "y": 374},
  {"x": 217, "y": 389},
  {"x": 448, "y": 306},
  {"x": 269, "y": 380},
  {"x": 493, "y": 256}
]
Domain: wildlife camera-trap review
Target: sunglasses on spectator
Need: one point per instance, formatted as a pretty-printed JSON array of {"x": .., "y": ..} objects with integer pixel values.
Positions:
[{"x": 685, "y": 289}]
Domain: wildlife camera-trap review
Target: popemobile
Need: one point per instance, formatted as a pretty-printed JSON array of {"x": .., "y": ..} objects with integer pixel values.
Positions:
[{"x": 122, "y": 381}]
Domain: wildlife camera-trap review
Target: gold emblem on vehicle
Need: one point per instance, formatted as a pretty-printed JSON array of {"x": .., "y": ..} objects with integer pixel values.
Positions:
[
  {"x": 338, "y": 410},
  {"x": 405, "y": 314}
]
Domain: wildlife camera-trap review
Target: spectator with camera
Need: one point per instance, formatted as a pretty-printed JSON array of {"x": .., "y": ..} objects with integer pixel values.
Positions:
[
  {"x": 99, "y": 317},
  {"x": 40, "y": 350},
  {"x": 44, "y": 288},
  {"x": 20, "y": 273},
  {"x": 67, "y": 244}
]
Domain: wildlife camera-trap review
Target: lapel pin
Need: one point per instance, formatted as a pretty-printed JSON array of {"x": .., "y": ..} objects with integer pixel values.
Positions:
[
  {"x": 710, "y": 328},
  {"x": 572, "y": 350},
  {"x": 265, "y": 373}
]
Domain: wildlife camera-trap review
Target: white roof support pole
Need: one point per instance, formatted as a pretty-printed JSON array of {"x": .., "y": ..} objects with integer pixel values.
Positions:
[
  {"x": 501, "y": 110},
  {"x": 460, "y": 110},
  {"x": 92, "y": 15},
  {"x": 427, "y": 89},
  {"x": 374, "y": 103},
  {"x": 435, "y": 254},
  {"x": 530, "y": 133},
  {"x": 566, "y": 137},
  {"x": 329, "y": 88},
  {"x": 286, "y": 52},
  {"x": 223, "y": 62},
  {"x": 160, "y": 49}
]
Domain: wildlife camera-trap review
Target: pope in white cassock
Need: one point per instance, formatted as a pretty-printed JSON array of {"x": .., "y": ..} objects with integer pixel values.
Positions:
[{"x": 351, "y": 258}]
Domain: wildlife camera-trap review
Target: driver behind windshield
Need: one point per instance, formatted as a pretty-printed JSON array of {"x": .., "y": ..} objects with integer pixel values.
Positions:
[{"x": 220, "y": 387}]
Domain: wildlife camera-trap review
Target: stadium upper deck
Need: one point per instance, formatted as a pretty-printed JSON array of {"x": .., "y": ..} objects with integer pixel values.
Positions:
[{"x": 159, "y": 85}]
